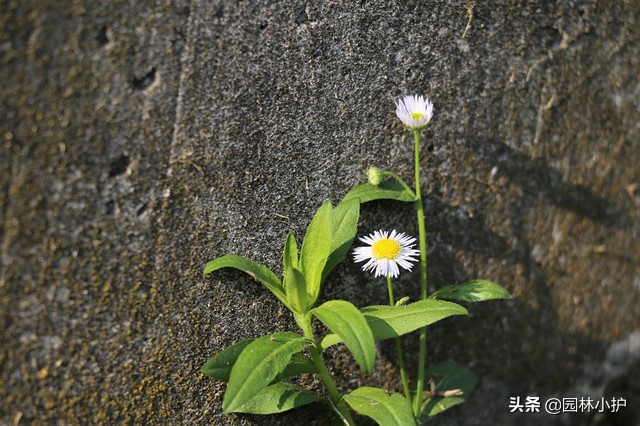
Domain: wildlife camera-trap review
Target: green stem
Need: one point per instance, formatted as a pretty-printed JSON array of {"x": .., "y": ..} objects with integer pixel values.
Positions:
[
  {"x": 423, "y": 274},
  {"x": 390, "y": 288},
  {"x": 399, "y": 179},
  {"x": 403, "y": 373},
  {"x": 316, "y": 357}
]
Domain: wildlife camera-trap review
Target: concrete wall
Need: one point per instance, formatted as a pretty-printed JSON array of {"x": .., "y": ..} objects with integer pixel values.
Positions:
[{"x": 141, "y": 139}]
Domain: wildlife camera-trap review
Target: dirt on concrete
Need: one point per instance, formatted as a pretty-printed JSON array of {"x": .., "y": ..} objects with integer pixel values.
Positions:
[{"x": 139, "y": 140}]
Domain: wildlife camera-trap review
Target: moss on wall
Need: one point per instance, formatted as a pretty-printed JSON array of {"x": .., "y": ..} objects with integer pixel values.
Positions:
[{"x": 140, "y": 140}]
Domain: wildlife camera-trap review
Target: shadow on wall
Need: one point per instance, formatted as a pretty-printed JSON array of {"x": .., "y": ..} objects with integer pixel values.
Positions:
[
  {"x": 522, "y": 343},
  {"x": 540, "y": 181}
]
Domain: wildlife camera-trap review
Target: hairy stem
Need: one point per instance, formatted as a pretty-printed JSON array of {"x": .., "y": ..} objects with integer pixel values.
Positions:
[
  {"x": 403, "y": 373},
  {"x": 423, "y": 274},
  {"x": 400, "y": 180},
  {"x": 316, "y": 357}
]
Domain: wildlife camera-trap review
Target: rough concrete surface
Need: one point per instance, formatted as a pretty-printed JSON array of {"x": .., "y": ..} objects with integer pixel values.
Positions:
[{"x": 140, "y": 139}]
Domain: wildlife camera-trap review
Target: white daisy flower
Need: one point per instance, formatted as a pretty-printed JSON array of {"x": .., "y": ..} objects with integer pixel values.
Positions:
[
  {"x": 385, "y": 252},
  {"x": 414, "y": 111}
]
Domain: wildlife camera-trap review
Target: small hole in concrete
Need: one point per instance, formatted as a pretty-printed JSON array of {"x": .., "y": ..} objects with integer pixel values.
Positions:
[
  {"x": 302, "y": 16},
  {"x": 108, "y": 207},
  {"x": 145, "y": 81},
  {"x": 102, "y": 38},
  {"x": 142, "y": 209},
  {"x": 118, "y": 166}
]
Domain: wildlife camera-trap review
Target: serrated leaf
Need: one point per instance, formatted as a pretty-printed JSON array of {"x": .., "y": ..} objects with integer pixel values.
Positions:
[
  {"x": 393, "y": 321},
  {"x": 278, "y": 398},
  {"x": 344, "y": 225},
  {"x": 258, "y": 364},
  {"x": 346, "y": 321},
  {"x": 290, "y": 256},
  {"x": 315, "y": 249},
  {"x": 386, "y": 409},
  {"x": 448, "y": 377},
  {"x": 296, "y": 288},
  {"x": 473, "y": 291},
  {"x": 387, "y": 190},
  {"x": 220, "y": 365},
  {"x": 257, "y": 271}
]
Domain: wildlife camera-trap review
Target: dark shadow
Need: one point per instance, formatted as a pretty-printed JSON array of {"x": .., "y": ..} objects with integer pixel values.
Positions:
[
  {"x": 534, "y": 353},
  {"x": 538, "y": 180}
]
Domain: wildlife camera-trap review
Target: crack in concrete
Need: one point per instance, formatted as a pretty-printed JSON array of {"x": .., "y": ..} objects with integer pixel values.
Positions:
[
  {"x": 544, "y": 105},
  {"x": 592, "y": 72},
  {"x": 185, "y": 59},
  {"x": 5, "y": 234},
  {"x": 547, "y": 103}
]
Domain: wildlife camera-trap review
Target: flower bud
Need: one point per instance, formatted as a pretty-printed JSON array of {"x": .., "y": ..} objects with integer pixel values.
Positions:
[{"x": 374, "y": 175}]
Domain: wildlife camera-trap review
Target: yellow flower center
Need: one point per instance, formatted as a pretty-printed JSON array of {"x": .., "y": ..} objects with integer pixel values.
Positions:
[
  {"x": 416, "y": 115},
  {"x": 386, "y": 249}
]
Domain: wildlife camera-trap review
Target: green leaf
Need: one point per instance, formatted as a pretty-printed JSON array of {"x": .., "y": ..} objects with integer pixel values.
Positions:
[
  {"x": 346, "y": 321},
  {"x": 258, "y": 364},
  {"x": 387, "y": 190},
  {"x": 449, "y": 378},
  {"x": 298, "y": 364},
  {"x": 473, "y": 291},
  {"x": 386, "y": 409},
  {"x": 257, "y": 271},
  {"x": 277, "y": 398},
  {"x": 296, "y": 288},
  {"x": 344, "y": 225},
  {"x": 220, "y": 365},
  {"x": 393, "y": 321},
  {"x": 329, "y": 340},
  {"x": 290, "y": 252},
  {"x": 315, "y": 249}
]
